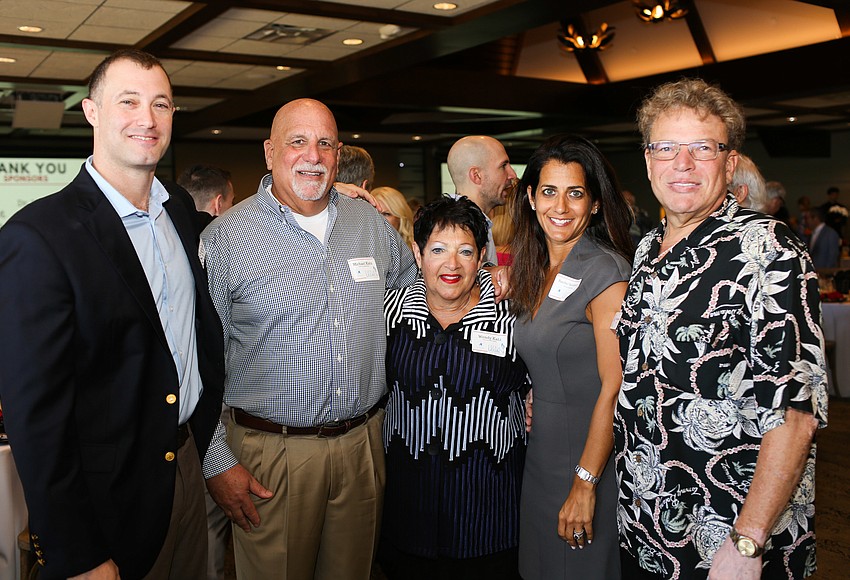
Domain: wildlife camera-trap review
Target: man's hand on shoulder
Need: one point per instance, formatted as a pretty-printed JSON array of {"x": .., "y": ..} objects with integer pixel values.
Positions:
[
  {"x": 354, "y": 192},
  {"x": 232, "y": 491},
  {"x": 501, "y": 282},
  {"x": 106, "y": 571}
]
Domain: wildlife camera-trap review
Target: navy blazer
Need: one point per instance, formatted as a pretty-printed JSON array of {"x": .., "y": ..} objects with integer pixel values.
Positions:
[
  {"x": 85, "y": 374},
  {"x": 826, "y": 249}
]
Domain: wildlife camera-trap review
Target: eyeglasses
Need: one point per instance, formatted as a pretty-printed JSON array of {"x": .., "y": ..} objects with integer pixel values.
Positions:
[{"x": 705, "y": 150}]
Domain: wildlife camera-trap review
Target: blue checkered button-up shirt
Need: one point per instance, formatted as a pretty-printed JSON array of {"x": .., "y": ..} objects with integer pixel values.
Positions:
[{"x": 304, "y": 340}]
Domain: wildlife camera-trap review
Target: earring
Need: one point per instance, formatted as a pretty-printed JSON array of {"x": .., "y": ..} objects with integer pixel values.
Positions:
[
  {"x": 533, "y": 208},
  {"x": 596, "y": 209}
]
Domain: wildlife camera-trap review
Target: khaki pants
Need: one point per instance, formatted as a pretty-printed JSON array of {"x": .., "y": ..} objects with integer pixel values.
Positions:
[
  {"x": 324, "y": 518},
  {"x": 184, "y": 553}
]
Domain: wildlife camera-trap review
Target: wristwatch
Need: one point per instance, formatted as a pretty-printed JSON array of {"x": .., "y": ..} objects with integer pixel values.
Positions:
[
  {"x": 586, "y": 475},
  {"x": 745, "y": 545}
]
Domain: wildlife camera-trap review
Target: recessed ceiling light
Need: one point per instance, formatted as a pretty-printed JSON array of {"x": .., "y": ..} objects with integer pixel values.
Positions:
[
  {"x": 216, "y": 131},
  {"x": 417, "y": 137},
  {"x": 30, "y": 28},
  {"x": 792, "y": 119},
  {"x": 445, "y": 6},
  {"x": 352, "y": 41},
  {"x": 355, "y": 135},
  {"x": 281, "y": 67},
  {"x": 7, "y": 59}
]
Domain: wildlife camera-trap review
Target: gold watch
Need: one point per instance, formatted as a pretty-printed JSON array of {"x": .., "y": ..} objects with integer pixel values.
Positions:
[{"x": 745, "y": 545}]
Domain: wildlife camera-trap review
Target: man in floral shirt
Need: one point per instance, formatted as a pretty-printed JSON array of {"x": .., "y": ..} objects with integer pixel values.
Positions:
[{"x": 724, "y": 374}]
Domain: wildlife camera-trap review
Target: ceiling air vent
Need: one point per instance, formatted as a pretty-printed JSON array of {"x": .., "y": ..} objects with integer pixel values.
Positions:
[{"x": 286, "y": 34}]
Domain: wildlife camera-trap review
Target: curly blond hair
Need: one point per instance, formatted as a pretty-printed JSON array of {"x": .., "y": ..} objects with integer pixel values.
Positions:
[{"x": 697, "y": 95}]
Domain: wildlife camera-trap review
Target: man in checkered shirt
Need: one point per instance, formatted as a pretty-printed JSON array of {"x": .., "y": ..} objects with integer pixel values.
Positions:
[{"x": 297, "y": 273}]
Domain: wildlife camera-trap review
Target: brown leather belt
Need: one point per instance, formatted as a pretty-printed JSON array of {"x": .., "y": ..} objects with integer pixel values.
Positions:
[{"x": 334, "y": 429}]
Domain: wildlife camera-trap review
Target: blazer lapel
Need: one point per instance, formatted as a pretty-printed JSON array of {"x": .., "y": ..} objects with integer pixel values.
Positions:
[{"x": 98, "y": 216}]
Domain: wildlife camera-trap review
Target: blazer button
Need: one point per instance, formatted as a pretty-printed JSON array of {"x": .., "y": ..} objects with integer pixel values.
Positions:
[
  {"x": 171, "y": 399},
  {"x": 169, "y": 456}
]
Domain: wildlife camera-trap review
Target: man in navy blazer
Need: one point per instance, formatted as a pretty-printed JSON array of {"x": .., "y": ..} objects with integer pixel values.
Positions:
[
  {"x": 112, "y": 364},
  {"x": 824, "y": 243}
]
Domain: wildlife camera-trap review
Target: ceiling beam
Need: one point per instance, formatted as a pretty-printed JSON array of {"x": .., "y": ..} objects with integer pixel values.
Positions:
[
  {"x": 198, "y": 16},
  {"x": 695, "y": 25},
  {"x": 235, "y": 58},
  {"x": 588, "y": 59},
  {"x": 56, "y": 44}
]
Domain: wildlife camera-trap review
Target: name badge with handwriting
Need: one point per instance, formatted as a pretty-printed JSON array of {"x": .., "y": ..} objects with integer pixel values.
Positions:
[
  {"x": 495, "y": 343},
  {"x": 563, "y": 286},
  {"x": 363, "y": 269}
]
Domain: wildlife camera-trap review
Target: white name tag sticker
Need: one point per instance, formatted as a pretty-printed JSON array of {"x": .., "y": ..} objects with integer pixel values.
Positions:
[
  {"x": 616, "y": 320},
  {"x": 494, "y": 343},
  {"x": 563, "y": 286},
  {"x": 363, "y": 269}
]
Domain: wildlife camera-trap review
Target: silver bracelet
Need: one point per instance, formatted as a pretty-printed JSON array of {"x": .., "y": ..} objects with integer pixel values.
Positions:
[{"x": 586, "y": 475}]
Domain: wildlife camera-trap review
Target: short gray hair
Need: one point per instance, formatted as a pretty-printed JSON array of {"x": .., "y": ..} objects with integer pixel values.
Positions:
[
  {"x": 746, "y": 173},
  {"x": 774, "y": 189}
]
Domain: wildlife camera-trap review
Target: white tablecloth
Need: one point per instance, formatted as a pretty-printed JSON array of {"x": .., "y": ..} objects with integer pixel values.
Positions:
[
  {"x": 836, "y": 327},
  {"x": 13, "y": 516}
]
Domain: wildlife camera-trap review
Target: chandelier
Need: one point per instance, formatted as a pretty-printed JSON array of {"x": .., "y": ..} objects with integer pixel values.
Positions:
[
  {"x": 572, "y": 39},
  {"x": 655, "y": 11}
]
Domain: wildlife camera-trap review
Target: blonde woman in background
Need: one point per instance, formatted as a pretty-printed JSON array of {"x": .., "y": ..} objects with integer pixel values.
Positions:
[
  {"x": 503, "y": 233},
  {"x": 393, "y": 206}
]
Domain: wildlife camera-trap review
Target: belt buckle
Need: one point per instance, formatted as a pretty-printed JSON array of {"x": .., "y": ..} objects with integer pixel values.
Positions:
[{"x": 331, "y": 427}]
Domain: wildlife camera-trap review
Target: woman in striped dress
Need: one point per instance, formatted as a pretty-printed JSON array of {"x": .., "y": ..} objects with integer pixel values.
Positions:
[{"x": 455, "y": 428}]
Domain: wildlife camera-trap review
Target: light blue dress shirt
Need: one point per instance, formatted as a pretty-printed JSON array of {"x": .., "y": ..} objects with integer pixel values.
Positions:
[{"x": 169, "y": 275}]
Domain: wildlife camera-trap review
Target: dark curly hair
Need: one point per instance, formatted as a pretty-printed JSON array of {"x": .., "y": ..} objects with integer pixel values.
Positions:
[{"x": 450, "y": 212}]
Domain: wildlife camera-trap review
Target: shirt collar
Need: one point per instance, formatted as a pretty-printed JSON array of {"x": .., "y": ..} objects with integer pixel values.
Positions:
[
  {"x": 415, "y": 306},
  {"x": 265, "y": 194},
  {"x": 158, "y": 195}
]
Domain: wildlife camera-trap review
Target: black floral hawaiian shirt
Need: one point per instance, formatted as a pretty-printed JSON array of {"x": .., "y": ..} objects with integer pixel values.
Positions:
[{"x": 718, "y": 337}]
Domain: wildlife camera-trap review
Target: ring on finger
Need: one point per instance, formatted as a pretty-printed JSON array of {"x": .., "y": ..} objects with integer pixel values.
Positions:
[{"x": 578, "y": 535}]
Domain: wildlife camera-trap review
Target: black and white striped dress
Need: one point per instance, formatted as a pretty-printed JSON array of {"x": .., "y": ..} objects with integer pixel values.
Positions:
[{"x": 454, "y": 430}]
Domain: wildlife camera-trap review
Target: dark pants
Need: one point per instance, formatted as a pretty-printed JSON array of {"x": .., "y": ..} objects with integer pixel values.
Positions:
[{"x": 398, "y": 565}]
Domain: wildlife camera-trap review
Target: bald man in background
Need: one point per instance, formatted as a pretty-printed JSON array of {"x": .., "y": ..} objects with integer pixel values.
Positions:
[{"x": 481, "y": 170}]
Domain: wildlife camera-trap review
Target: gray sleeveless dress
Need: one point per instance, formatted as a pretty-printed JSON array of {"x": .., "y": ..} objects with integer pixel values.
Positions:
[{"x": 559, "y": 349}]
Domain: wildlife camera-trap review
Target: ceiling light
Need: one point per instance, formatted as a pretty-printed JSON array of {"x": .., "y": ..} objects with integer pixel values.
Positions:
[
  {"x": 417, "y": 137},
  {"x": 445, "y": 6},
  {"x": 7, "y": 60},
  {"x": 792, "y": 119},
  {"x": 571, "y": 39},
  {"x": 216, "y": 131},
  {"x": 388, "y": 31},
  {"x": 30, "y": 28},
  {"x": 657, "y": 11},
  {"x": 281, "y": 67},
  {"x": 355, "y": 135},
  {"x": 352, "y": 41}
]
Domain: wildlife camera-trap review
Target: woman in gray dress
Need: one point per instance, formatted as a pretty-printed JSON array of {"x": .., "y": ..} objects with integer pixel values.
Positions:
[{"x": 571, "y": 266}]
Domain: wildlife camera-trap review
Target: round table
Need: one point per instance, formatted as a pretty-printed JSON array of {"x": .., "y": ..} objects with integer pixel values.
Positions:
[{"x": 836, "y": 327}]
